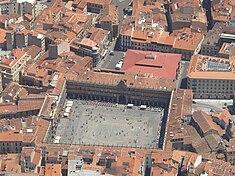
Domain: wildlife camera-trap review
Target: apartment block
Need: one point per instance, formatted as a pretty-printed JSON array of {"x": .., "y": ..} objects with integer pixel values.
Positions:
[
  {"x": 94, "y": 45},
  {"x": 96, "y": 6},
  {"x": 20, "y": 7},
  {"x": 109, "y": 21},
  {"x": 211, "y": 77},
  {"x": 187, "y": 14},
  {"x": 29, "y": 133},
  {"x": 5, "y": 20},
  {"x": 221, "y": 12},
  {"x": 24, "y": 38},
  {"x": 183, "y": 42},
  {"x": 12, "y": 65},
  {"x": 30, "y": 159},
  {"x": 58, "y": 48}
]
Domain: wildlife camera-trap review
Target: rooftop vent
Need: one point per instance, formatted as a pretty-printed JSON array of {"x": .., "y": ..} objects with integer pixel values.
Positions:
[
  {"x": 29, "y": 130},
  {"x": 150, "y": 57}
]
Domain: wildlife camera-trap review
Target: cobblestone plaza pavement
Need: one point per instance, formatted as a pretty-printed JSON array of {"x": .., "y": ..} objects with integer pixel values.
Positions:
[{"x": 96, "y": 123}]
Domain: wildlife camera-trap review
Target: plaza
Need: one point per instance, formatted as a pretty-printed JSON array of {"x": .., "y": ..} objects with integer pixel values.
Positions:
[{"x": 99, "y": 123}]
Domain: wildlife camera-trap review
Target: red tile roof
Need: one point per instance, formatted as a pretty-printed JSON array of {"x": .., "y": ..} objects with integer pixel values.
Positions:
[{"x": 163, "y": 64}]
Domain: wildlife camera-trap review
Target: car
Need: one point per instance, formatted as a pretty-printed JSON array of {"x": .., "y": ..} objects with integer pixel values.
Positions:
[
  {"x": 118, "y": 67},
  {"x": 122, "y": 59},
  {"x": 124, "y": 16}
]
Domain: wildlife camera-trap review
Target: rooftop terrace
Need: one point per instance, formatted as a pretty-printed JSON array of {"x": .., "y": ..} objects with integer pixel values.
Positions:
[{"x": 208, "y": 67}]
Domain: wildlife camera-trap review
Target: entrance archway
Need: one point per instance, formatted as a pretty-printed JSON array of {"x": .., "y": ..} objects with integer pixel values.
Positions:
[{"x": 122, "y": 99}]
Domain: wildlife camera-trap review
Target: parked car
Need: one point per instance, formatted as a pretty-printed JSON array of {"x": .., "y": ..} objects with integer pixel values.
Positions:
[{"x": 118, "y": 66}]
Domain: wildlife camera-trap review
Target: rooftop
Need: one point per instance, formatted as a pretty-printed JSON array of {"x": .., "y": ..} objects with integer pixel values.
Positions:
[
  {"x": 212, "y": 37},
  {"x": 181, "y": 105},
  {"x": 221, "y": 12},
  {"x": 53, "y": 170},
  {"x": 11, "y": 59},
  {"x": 155, "y": 63},
  {"x": 187, "y": 40},
  {"x": 130, "y": 80},
  {"x": 226, "y": 48},
  {"x": 205, "y": 122},
  {"x": 28, "y": 130},
  {"x": 209, "y": 67}
]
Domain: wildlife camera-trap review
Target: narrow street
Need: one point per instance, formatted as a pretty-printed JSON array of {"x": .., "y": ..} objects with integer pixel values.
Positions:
[{"x": 109, "y": 61}]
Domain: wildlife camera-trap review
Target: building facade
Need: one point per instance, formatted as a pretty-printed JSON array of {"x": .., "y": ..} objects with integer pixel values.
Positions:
[
  {"x": 184, "y": 42},
  {"x": 18, "y": 7},
  {"x": 211, "y": 77},
  {"x": 120, "y": 89},
  {"x": 23, "y": 39},
  {"x": 11, "y": 66}
]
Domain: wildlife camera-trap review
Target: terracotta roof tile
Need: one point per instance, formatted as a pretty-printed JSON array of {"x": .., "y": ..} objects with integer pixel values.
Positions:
[
  {"x": 205, "y": 122},
  {"x": 159, "y": 64}
]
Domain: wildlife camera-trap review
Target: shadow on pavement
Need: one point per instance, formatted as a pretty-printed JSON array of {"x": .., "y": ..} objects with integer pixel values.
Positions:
[
  {"x": 183, "y": 84},
  {"x": 117, "y": 46}
]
